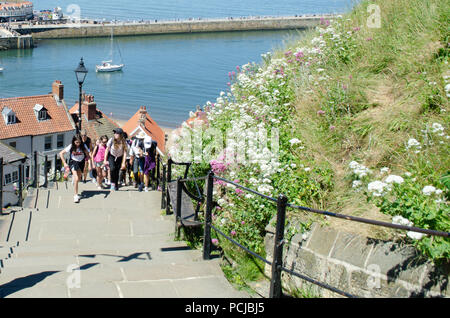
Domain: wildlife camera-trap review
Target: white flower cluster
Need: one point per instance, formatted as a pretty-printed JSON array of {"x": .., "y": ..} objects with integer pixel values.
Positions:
[
  {"x": 399, "y": 220},
  {"x": 414, "y": 144},
  {"x": 447, "y": 85},
  {"x": 359, "y": 169}
]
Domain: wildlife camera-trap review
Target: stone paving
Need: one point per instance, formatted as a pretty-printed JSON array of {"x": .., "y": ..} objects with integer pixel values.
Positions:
[{"x": 111, "y": 244}]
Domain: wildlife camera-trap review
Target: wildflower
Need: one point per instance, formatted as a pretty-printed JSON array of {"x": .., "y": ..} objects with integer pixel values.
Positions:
[
  {"x": 356, "y": 183},
  {"x": 394, "y": 179},
  {"x": 428, "y": 190},
  {"x": 377, "y": 188},
  {"x": 233, "y": 233},
  {"x": 332, "y": 127},
  {"x": 384, "y": 170},
  {"x": 400, "y": 220},
  {"x": 437, "y": 128},
  {"x": 243, "y": 222},
  {"x": 414, "y": 143},
  {"x": 415, "y": 235},
  {"x": 320, "y": 112},
  {"x": 215, "y": 241},
  {"x": 239, "y": 191},
  {"x": 294, "y": 141}
]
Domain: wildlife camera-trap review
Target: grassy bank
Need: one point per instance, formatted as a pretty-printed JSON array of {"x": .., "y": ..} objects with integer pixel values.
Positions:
[{"x": 359, "y": 109}]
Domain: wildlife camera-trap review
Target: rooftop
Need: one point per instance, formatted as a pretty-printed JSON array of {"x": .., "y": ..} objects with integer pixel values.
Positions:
[
  {"x": 26, "y": 122},
  {"x": 141, "y": 119}
]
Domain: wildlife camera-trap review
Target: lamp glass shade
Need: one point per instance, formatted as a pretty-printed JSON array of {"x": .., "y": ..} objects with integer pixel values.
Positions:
[{"x": 81, "y": 72}]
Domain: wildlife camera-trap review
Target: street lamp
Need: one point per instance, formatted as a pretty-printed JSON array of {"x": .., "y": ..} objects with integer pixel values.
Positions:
[{"x": 80, "y": 73}]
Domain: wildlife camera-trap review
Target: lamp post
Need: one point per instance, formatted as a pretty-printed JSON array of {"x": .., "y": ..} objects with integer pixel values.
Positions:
[{"x": 80, "y": 73}]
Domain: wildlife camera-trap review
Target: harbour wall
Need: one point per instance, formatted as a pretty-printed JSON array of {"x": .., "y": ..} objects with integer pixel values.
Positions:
[
  {"x": 169, "y": 27},
  {"x": 16, "y": 42}
]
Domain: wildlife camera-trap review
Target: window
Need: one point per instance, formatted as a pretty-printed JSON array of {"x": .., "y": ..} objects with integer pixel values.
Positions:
[
  {"x": 42, "y": 115},
  {"x": 8, "y": 178},
  {"x": 11, "y": 119},
  {"x": 60, "y": 141},
  {"x": 13, "y": 144},
  {"x": 9, "y": 116},
  {"x": 41, "y": 112},
  {"x": 15, "y": 176},
  {"x": 48, "y": 143}
]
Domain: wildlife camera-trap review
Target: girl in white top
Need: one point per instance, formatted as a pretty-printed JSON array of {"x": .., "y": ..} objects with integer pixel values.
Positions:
[
  {"x": 115, "y": 156},
  {"x": 78, "y": 153}
]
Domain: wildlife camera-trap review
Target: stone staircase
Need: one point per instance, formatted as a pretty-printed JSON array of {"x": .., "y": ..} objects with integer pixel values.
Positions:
[{"x": 111, "y": 244}]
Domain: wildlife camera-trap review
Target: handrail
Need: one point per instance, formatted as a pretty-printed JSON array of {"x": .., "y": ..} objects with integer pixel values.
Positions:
[
  {"x": 247, "y": 189},
  {"x": 282, "y": 205}
]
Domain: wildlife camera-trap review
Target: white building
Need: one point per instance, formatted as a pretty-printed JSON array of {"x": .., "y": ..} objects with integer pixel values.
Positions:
[
  {"x": 12, "y": 159},
  {"x": 37, "y": 123}
]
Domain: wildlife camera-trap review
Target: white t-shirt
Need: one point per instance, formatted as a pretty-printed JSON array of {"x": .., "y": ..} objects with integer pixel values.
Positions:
[
  {"x": 135, "y": 150},
  {"x": 113, "y": 151},
  {"x": 78, "y": 154}
]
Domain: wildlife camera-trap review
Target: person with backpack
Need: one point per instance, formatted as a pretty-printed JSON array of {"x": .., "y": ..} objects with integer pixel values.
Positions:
[
  {"x": 115, "y": 156},
  {"x": 137, "y": 159},
  {"x": 77, "y": 159},
  {"x": 150, "y": 161}
]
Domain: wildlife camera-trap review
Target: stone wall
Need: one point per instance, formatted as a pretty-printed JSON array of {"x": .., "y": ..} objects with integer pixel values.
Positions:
[
  {"x": 99, "y": 30},
  {"x": 17, "y": 42},
  {"x": 358, "y": 265}
]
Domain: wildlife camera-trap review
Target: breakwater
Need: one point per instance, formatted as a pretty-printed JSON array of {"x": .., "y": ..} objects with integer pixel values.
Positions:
[
  {"x": 9, "y": 39},
  {"x": 101, "y": 29}
]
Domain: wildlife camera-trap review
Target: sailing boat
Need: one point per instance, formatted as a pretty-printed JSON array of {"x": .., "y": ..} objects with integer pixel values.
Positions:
[{"x": 108, "y": 66}]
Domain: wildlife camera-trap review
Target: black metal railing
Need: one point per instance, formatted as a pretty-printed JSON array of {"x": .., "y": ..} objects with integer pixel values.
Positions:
[
  {"x": 281, "y": 205},
  {"x": 38, "y": 167}
]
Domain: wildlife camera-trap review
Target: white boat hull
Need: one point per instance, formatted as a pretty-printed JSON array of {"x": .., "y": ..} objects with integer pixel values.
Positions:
[{"x": 108, "y": 68}]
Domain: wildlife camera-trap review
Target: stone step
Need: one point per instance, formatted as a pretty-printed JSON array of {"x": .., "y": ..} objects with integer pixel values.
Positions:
[
  {"x": 18, "y": 227},
  {"x": 118, "y": 280}
]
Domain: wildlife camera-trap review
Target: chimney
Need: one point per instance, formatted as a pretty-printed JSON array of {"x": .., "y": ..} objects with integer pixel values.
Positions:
[
  {"x": 58, "y": 90},
  {"x": 142, "y": 115},
  {"x": 89, "y": 107}
]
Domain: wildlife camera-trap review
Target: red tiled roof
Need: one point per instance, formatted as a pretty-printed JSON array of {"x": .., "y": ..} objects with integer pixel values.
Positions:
[
  {"x": 27, "y": 124},
  {"x": 95, "y": 128},
  {"x": 149, "y": 126}
]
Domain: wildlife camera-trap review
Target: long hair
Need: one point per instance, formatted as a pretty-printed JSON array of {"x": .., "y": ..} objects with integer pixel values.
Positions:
[
  {"x": 121, "y": 141},
  {"x": 75, "y": 138}
]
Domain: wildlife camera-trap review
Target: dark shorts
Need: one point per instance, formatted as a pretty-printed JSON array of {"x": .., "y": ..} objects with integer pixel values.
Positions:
[{"x": 77, "y": 165}]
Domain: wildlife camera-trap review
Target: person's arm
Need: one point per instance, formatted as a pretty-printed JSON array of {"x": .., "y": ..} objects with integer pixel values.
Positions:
[
  {"x": 94, "y": 153},
  {"x": 61, "y": 155},
  {"x": 108, "y": 147},
  {"x": 124, "y": 157}
]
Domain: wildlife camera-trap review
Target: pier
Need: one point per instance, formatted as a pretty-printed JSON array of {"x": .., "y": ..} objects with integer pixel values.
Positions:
[
  {"x": 92, "y": 28},
  {"x": 10, "y": 39}
]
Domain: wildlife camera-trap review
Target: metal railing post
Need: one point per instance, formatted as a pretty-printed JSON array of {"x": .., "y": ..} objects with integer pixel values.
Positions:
[
  {"x": 1, "y": 186},
  {"x": 178, "y": 205},
  {"x": 163, "y": 188},
  {"x": 169, "y": 176},
  {"x": 275, "y": 283},
  {"x": 158, "y": 174},
  {"x": 35, "y": 172},
  {"x": 20, "y": 185},
  {"x": 45, "y": 171},
  {"x": 208, "y": 217},
  {"x": 54, "y": 176}
]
